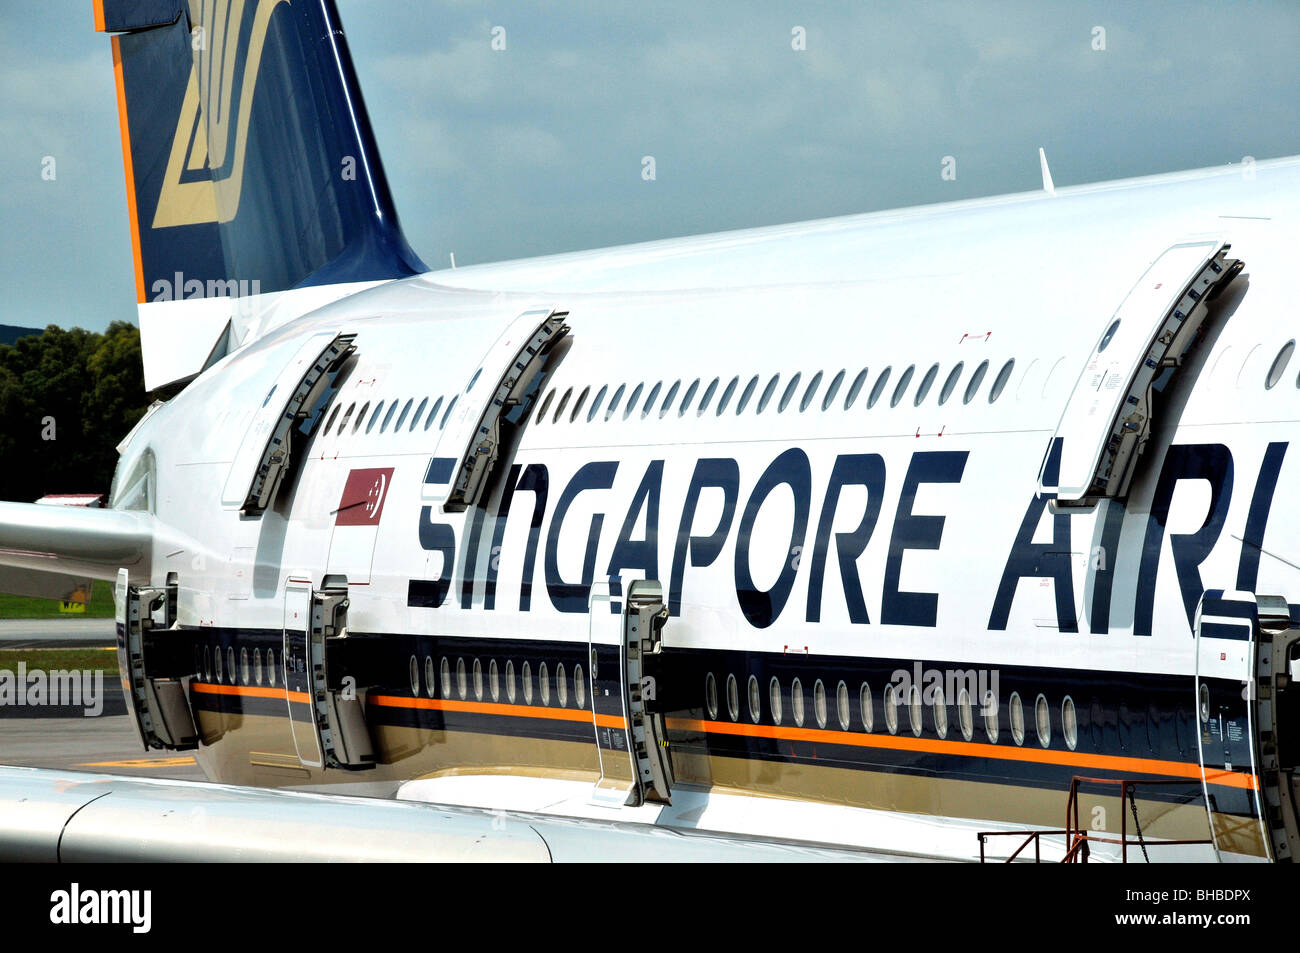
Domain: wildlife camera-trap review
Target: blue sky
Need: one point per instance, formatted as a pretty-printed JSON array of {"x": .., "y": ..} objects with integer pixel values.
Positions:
[{"x": 538, "y": 148}]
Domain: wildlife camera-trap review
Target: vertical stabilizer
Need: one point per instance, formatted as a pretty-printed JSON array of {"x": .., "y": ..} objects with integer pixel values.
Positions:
[{"x": 250, "y": 168}]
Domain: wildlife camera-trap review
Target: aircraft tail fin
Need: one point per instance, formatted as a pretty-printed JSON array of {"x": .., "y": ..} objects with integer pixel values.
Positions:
[{"x": 251, "y": 169}]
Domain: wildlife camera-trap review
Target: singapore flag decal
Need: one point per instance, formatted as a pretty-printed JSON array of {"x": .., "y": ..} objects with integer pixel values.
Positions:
[{"x": 362, "y": 502}]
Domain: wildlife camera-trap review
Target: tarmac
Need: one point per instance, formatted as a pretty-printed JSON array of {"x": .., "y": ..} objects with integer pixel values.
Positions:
[
  {"x": 48, "y": 736},
  {"x": 68, "y": 633}
]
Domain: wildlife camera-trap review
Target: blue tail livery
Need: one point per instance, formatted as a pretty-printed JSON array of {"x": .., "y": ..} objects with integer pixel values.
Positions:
[{"x": 250, "y": 165}]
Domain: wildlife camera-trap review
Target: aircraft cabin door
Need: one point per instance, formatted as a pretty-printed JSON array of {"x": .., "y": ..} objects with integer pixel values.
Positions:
[
  {"x": 608, "y": 714},
  {"x": 472, "y": 435},
  {"x": 1243, "y": 647},
  {"x": 296, "y": 659},
  {"x": 1107, "y": 418},
  {"x": 156, "y": 690},
  {"x": 631, "y": 743}
]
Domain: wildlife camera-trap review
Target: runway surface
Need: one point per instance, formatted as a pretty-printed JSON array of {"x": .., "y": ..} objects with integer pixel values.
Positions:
[
  {"x": 56, "y": 633},
  {"x": 44, "y": 736},
  {"x": 106, "y": 745}
]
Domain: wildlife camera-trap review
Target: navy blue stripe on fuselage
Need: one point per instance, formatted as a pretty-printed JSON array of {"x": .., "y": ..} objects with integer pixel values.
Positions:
[{"x": 1143, "y": 717}]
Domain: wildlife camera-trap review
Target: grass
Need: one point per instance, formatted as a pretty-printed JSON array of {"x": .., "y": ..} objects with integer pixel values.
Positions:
[
  {"x": 54, "y": 659},
  {"x": 24, "y": 607}
]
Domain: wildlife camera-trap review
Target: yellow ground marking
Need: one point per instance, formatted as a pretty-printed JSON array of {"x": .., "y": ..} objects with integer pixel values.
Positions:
[{"x": 141, "y": 763}]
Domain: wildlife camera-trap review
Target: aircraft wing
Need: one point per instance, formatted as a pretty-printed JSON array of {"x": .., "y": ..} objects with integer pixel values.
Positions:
[
  {"x": 48, "y": 815},
  {"x": 69, "y": 541}
]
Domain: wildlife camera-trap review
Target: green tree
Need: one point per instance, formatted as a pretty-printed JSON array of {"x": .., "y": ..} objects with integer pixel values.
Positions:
[{"x": 82, "y": 389}]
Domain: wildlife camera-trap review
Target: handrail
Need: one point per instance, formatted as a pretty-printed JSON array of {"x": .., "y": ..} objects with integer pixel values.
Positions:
[
  {"x": 1029, "y": 836},
  {"x": 1078, "y": 840}
]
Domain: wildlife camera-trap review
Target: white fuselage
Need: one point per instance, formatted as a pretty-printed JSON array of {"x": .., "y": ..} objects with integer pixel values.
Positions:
[{"x": 1032, "y": 279}]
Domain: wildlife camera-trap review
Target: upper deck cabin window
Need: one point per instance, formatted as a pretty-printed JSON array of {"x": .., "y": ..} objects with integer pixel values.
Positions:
[
  {"x": 631, "y": 401},
  {"x": 832, "y": 390},
  {"x": 419, "y": 412},
  {"x": 392, "y": 408},
  {"x": 433, "y": 413},
  {"x": 726, "y": 396},
  {"x": 811, "y": 392},
  {"x": 973, "y": 385},
  {"x": 790, "y": 388},
  {"x": 746, "y": 394},
  {"x": 447, "y": 413},
  {"x": 667, "y": 405},
  {"x": 926, "y": 383},
  {"x": 953, "y": 377},
  {"x": 577, "y": 405},
  {"x": 546, "y": 403},
  {"x": 613, "y": 401},
  {"x": 650, "y": 399},
  {"x": 361, "y": 416},
  {"x": 855, "y": 388},
  {"x": 687, "y": 397},
  {"x": 901, "y": 387},
  {"x": 879, "y": 388},
  {"x": 708, "y": 395},
  {"x": 559, "y": 410},
  {"x": 401, "y": 418},
  {"x": 1000, "y": 382},
  {"x": 595, "y": 404}
]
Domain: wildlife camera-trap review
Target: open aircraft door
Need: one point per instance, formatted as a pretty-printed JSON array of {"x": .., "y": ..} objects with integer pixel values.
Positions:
[
  {"x": 269, "y": 450},
  {"x": 472, "y": 436},
  {"x": 624, "y": 638},
  {"x": 1108, "y": 416},
  {"x": 326, "y": 714},
  {"x": 1245, "y": 648},
  {"x": 297, "y": 673},
  {"x": 155, "y": 679}
]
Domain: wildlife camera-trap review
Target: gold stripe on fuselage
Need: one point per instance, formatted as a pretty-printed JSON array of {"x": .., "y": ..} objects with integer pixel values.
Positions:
[
  {"x": 1076, "y": 760},
  {"x": 258, "y": 750}
]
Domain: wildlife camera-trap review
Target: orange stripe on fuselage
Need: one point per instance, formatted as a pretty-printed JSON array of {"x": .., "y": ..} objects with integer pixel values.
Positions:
[
  {"x": 249, "y": 692},
  {"x": 972, "y": 749},
  {"x": 99, "y": 15},
  {"x": 129, "y": 168},
  {"x": 497, "y": 708},
  {"x": 436, "y": 704},
  {"x": 1232, "y": 779}
]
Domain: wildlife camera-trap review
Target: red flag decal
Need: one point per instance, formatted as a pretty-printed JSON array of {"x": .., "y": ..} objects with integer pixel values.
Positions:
[{"x": 363, "y": 497}]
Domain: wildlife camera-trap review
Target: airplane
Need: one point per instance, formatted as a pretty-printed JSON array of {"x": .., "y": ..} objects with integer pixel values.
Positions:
[{"x": 876, "y": 531}]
